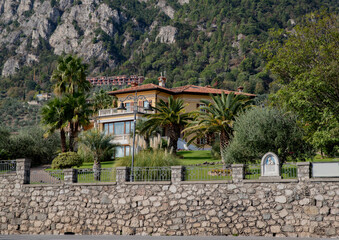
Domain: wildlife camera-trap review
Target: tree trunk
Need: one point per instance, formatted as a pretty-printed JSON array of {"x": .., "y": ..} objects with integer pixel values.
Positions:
[
  {"x": 75, "y": 140},
  {"x": 63, "y": 140},
  {"x": 71, "y": 138},
  {"x": 147, "y": 142},
  {"x": 174, "y": 133},
  {"x": 224, "y": 139},
  {"x": 74, "y": 133},
  {"x": 97, "y": 170}
]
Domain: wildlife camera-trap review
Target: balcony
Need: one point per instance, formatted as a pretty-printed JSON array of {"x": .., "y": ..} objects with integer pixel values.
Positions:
[
  {"x": 122, "y": 139},
  {"x": 115, "y": 111}
]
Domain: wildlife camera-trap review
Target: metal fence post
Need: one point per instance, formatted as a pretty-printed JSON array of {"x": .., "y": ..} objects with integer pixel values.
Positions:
[{"x": 23, "y": 166}]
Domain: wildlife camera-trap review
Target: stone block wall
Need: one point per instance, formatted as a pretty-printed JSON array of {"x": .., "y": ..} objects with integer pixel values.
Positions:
[{"x": 303, "y": 208}]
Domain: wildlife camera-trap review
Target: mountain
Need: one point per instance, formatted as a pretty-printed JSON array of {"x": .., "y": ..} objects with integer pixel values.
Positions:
[{"x": 206, "y": 42}]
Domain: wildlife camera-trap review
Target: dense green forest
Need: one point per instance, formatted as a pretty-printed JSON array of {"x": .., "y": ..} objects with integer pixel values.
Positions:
[{"x": 215, "y": 44}]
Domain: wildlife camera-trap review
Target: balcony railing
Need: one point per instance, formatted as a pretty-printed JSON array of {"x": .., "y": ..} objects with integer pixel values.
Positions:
[
  {"x": 122, "y": 139},
  {"x": 114, "y": 111}
]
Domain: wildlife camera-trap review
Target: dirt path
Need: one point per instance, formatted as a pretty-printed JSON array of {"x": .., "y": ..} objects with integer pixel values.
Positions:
[{"x": 39, "y": 175}]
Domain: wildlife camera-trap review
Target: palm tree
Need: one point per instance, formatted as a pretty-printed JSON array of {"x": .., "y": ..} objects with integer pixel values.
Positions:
[
  {"x": 217, "y": 117},
  {"x": 79, "y": 111},
  {"x": 101, "y": 100},
  {"x": 70, "y": 76},
  {"x": 171, "y": 116},
  {"x": 100, "y": 145},
  {"x": 71, "y": 85},
  {"x": 54, "y": 116}
]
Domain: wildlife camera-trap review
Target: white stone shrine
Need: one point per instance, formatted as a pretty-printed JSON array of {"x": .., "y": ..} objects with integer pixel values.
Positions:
[{"x": 270, "y": 166}]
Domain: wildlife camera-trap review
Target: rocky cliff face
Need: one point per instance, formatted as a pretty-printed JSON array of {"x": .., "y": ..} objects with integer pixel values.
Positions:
[{"x": 87, "y": 28}]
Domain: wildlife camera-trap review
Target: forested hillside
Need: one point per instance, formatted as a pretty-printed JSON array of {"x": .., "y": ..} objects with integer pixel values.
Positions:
[{"x": 207, "y": 42}]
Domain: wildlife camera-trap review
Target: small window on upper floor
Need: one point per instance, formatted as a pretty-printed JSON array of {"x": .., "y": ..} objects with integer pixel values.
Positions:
[{"x": 199, "y": 105}]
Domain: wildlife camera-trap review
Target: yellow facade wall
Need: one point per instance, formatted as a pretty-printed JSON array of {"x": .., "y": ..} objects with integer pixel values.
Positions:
[{"x": 191, "y": 103}]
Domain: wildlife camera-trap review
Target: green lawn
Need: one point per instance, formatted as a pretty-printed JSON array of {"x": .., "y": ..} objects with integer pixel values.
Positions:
[
  {"x": 195, "y": 157},
  {"x": 87, "y": 176},
  {"x": 108, "y": 164},
  {"x": 318, "y": 158},
  {"x": 187, "y": 158}
]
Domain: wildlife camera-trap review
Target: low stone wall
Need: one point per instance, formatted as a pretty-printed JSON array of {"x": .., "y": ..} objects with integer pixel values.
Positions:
[{"x": 303, "y": 207}]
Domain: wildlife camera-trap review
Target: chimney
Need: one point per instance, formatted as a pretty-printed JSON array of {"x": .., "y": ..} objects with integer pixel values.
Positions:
[
  {"x": 134, "y": 84},
  {"x": 162, "y": 81},
  {"x": 240, "y": 88}
]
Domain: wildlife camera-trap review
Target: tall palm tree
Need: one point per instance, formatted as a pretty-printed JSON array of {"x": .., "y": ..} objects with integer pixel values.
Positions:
[
  {"x": 70, "y": 85},
  {"x": 171, "y": 116},
  {"x": 70, "y": 76},
  {"x": 79, "y": 111},
  {"x": 100, "y": 145},
  {"x": 54, "y": 117},
  {"x": 101, "y": 100},
  {"x": 217, "y": 117}
]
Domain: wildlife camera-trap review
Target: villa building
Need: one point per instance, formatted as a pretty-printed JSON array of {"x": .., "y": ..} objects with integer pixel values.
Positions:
[
  {"x": 116, "y": 80},
  {"x": 120, "y": 122}
]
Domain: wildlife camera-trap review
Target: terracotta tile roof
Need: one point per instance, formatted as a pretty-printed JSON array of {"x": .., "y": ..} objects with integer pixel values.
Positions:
[
  {"x": 179, "y": 90},
  {"x": 205, "y": 90},
  {"x": 145, "y": 87}
]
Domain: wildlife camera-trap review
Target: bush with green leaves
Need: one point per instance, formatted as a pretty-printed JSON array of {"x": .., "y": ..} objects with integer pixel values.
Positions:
[
  {"x": 262, "y": 130},
  {"x": 215, "y": 151},
  {"x": 29, "y": 143},
  {"x": 156, "y": 158},
  {"x": 4, "y": 136},
  {"x": 85, "y": 154},
  {"x": 67, "y": 160}
]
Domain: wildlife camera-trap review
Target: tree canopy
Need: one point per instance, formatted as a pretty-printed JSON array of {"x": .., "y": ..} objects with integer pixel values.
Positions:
[
  {"x": 306, "y": 68},
  {"x": 172, "y": 116},
  {"x": 217, "y": 117},
  {"x": 261, "y": 130}
]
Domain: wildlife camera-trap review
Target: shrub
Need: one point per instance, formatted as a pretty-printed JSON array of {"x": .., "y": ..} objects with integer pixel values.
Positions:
[
  {"x": 215, "y": 151},
  {"x": 85, "y": 154},
  {"x": 262, "y": 130},
  {"x": 29, "y": 143},
  {"x": 156, "y": 158},
  {"x": 67, "y": 160}
]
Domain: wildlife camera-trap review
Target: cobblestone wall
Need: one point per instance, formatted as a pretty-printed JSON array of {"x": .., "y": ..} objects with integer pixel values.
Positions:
[{"x": 277, "y": 208}]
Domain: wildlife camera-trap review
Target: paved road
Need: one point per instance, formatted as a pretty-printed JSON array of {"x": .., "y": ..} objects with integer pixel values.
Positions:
[{"x": 82, "y": 237}]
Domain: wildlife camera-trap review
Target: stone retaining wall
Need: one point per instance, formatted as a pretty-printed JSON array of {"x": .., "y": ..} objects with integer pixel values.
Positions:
[{"x": 303, "y": 207}]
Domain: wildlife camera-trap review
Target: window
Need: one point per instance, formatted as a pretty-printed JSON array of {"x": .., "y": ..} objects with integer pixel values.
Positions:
[
  {"x": 108, "y": 128},
  {"x": 128, "y": 127},
  {"x": 202, "y": 141},
  {"x": 119, "y": 152},
  {"x": 118, "y": 128},
  {"x": 127, "y": 150},
  {"x": 123, "y": 151},
  {"x": 146, "y": 104},
  {"x": 199, "y": 105}
]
